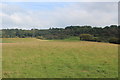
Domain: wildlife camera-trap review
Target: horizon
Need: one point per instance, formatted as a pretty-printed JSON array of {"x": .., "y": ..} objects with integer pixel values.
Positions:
[{"x": 60, "y": 27}]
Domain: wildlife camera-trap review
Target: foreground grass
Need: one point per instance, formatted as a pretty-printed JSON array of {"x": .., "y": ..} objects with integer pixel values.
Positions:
[{"x": 34, "y": 58}]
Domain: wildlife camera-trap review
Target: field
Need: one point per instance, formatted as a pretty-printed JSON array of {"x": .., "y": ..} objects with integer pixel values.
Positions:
[{"x": 35, "y": 58}]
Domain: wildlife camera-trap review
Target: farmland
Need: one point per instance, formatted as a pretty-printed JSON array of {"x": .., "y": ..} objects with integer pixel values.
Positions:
[{"x": 35, "y": 58}]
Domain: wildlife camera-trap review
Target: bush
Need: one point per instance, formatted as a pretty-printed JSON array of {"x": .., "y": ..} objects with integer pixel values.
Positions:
[
  {"x": 97, "y": 39},
  {"x": 40, "y": 37},
  {"x": 86, "y": 37},
  {"x": 114, "y": 40}
]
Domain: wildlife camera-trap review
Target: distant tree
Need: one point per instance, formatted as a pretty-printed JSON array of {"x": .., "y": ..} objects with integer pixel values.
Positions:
[
  {"x": 113, "y": 26},
  {"x": 100, "y": 33}
]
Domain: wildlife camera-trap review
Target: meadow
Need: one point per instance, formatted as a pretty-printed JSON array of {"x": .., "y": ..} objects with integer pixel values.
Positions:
[{"x": 35, "y": 58}]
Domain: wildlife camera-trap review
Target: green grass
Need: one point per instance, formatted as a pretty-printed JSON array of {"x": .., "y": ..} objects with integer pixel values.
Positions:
[
  {"x": 34, "y": 58},
  {"x": 69, "y": 39}
]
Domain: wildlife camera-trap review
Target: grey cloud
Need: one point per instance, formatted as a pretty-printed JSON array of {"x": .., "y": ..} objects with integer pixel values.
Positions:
[{"x": 95, "y": 14}]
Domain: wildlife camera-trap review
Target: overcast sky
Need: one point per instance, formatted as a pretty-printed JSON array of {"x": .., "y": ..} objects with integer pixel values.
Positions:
[{"x": 42, "y": 15}]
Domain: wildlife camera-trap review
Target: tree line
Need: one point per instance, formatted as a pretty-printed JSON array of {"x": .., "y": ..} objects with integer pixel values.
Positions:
[{"x": 99, "y": 34}]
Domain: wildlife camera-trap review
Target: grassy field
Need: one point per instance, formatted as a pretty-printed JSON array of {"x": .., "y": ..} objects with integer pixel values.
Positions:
[{"x": 34, "y": 58}]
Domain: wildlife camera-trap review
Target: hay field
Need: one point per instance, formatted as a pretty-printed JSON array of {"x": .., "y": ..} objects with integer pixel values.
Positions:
[{"x": 34, "y": 58}]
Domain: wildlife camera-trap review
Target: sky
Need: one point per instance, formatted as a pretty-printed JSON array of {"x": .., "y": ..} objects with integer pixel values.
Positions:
[{"x": 43, "y": 15}]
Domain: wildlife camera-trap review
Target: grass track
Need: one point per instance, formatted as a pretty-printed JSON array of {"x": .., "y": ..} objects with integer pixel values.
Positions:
[{"x": 34, "y": 58}]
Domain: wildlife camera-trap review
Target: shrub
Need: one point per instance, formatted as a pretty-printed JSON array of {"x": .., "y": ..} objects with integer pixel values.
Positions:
[
  {"x": 114, "y": 40},
  {"x": 40, "y": 37},
  {"x": 86, "y": 37},
  {"x": 97, "y": 39}
]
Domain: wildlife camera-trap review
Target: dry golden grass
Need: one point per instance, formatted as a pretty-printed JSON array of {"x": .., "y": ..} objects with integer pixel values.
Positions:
[{"x": 34, "y": 58}]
